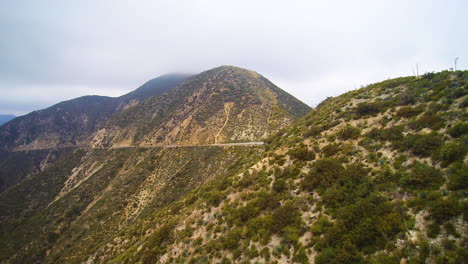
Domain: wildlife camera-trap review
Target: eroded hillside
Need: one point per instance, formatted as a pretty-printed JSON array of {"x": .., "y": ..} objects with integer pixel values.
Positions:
[
  {"x": 376, "y": 175},
  {"x": 225, "y": 104},
  {"x": 74, "y": 122},
  {"x": 88, "y": 196}
]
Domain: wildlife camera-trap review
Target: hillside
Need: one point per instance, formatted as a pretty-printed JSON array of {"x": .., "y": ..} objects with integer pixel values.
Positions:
[
  {"x": 75, "y": 195},
  {"x": 225, "y": 104},
  {"x": 28, "y": 143},
  {"x": 73, "y": 122},
  {"x": 376, "y": 175}
]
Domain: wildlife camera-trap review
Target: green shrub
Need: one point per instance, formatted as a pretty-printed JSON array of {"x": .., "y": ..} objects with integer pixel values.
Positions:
[
  {"x": 383, "y": 258},
  {"x": 248, "y": 180},
  {"x": 442, "y": 210},
  {"x": 408, "y": 111},
  {"x": 265, "y": 253},
  {"x": 433, "y": 230},
  {"x": 300, "y": 256},
  {"x": 459, "y": 92},
  {"x": 458, "y": 130},
  {"x": 326, "y": 256},
  {"x": 331, "y": 149},
  {"x": 394, "y": 133},
  {"x": 286, "y": 215},
  {"x": 420, "y": 145},
  {"x": 312, "y": 131},
  {"x": 458, "y": 176},
  {"x": 408, "y": 97},
  {"x": 159, "y": 239},
  {"x": 301, "y": 152},
  {"x": 280, "y": 185},
  {"x": 368, "y": 223},
  {"x": 451, "y": 152},
  {"x": 349, "y": 132},
  {"x": 346, "y": 254},
  {"x": 322, "y": 174},
  {"x": 260, "y": 226},
  {"x": 266, "y": 200},
  {"x": 214, "y": 197},
  {"x": 232, "y": 238},
  {"x": 247, "y": 212},
  {"x": 431, "y": 121},
  {"x": 422, "y": 176},
  {"x": 322, "y": 225},
  {"x": 364, "y": 109}
]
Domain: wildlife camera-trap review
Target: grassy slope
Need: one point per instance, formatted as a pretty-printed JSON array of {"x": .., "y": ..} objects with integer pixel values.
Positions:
[
  {"x": 373, "y": 176},
  {"x": 15, "y": 166},
  {"x": 83, "y": 200}
]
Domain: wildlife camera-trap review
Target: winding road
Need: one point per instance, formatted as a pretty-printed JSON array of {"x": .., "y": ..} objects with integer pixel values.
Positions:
[{"x": 191, "y": 146}]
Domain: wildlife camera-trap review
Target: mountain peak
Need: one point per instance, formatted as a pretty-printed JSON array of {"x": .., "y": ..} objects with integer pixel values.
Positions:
[
  {"x": 230, "y": 69},
  {"x": 224, "y": 104}
]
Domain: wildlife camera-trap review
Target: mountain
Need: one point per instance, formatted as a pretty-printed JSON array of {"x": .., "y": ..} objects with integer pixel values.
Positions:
[
  {"x": 225, "y": 104},
  {"x": 155, "y": 86},
  {"x": 6, "y": 118},
  {"x": 33, "y": 137},
  {"x": 376, "y": 175},
  {"x": 73, "y": 122},
  {"x": 132, "y": 182}
]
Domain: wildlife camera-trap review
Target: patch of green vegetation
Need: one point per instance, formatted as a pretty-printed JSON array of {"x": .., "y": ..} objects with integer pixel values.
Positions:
[
  {"x": 409, "y": 111},
  {"x": 349, "y": 132},
  {"x": 423, "y": 145},
  {"x": 366, "y": 109},
  {"x": 421, "y": 177},
  {"x": 458, "y": 130},
  {"x": 301, "y": 152},
  {"x": 361, "y": 190}
]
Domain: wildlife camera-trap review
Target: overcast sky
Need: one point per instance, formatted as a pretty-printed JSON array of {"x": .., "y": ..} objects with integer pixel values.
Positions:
[{"x": 52, "y": 51}]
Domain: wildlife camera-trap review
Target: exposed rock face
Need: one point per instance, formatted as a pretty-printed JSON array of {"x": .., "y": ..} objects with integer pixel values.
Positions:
[{"x": 225, "y": 104}]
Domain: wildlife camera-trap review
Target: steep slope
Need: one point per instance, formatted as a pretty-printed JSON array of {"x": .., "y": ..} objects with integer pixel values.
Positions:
[
  {"x": 65, "y": 125},
  {"x": 15, "y": 166},
  {"x": 376, "y": 175},
  {"x": 88, "y": 196},
  {"x": 6, "y": 118},
  {"x": 72, "y": 122},
  {"x": 225, "y": 104}
]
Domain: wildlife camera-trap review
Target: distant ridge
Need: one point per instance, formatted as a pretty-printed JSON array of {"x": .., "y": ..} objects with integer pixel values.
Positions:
[{"x": 72, "y": 122}]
